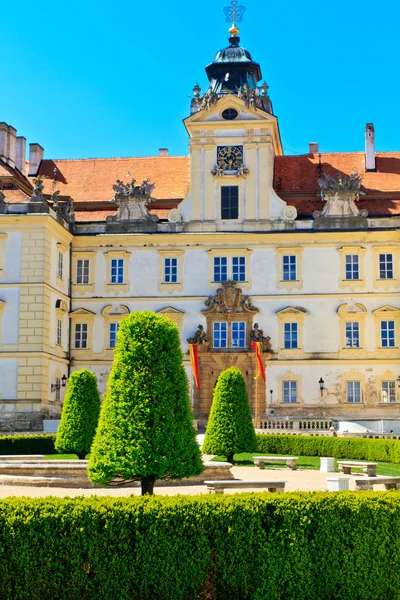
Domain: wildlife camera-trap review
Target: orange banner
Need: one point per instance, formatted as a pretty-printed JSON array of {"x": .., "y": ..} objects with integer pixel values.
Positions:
[
  {"x": 260, "y": 366},
  {"x": 194, "y": 359}
]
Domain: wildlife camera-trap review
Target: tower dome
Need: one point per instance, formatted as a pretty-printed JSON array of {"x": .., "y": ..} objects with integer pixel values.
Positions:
[{"x": 233, "y": 68}]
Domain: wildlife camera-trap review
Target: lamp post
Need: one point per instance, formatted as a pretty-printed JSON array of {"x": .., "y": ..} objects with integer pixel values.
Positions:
[
  {"x": 56, "y": 386},
  {"x": 321, "y": 386}
]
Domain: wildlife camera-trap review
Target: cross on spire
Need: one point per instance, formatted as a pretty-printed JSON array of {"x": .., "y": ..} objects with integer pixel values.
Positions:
[{"x": 234, "y": 15}]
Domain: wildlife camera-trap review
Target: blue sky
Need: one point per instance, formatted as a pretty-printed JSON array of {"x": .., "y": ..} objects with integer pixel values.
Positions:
[{"x": 88, "y": 78}]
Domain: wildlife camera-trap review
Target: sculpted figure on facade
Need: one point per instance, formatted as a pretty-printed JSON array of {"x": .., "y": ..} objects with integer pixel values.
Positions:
[
  {"x": 199, "y": 337},
  {"x": 132, "y": 201},
  {"x": 2, "y": 195},
  {"x": 208, "y": 100},
  {"x": 340, "y": 196},
  {"x": 257, "y": 335},
  {"x": 37, "y": 195}
]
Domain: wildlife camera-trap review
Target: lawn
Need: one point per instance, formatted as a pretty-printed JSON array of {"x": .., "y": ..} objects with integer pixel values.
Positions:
[
  {"x": 62, "y": 457},
  {"x": 308, "y": 462}
]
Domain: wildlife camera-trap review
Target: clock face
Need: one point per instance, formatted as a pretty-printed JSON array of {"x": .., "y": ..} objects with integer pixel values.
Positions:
[{"x": 230, "y": 158}]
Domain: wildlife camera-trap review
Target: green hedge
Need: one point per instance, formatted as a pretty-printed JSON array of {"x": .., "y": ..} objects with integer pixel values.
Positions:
[
  {"x": 243, "y": 547},
  {"x": 27, "y": 444},
  {"x": 356, "y": 448}
]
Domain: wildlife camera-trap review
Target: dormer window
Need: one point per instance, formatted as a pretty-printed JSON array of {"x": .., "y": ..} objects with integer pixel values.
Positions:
[{"x": 230, "y": 114}]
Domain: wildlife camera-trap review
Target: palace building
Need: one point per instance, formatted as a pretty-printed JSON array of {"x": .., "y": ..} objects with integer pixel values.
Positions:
[{"x": 235, "y": 243}]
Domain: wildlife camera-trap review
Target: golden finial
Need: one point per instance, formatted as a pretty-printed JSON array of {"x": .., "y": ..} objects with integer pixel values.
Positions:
[
  {"x": 234, "y": 14},
  {"x": 234, "y": 31}
]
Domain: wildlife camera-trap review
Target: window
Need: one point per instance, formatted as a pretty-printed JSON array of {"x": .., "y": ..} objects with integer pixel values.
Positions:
[
  {"x": 352, "y": 335},
  {"x": 239, "y": 335},
  {"x": 58, "y": 388},
  {"x": 239, "y": 268},
  {"x": 113, "y": 334},
  {"x": 352, "y": 266},
  {"x": 170, "y": 270},
  {"x": 289, "y": 270},
  {"x": 230, "y": 114},
  {"x": 353, "y": 391},
  {"x": 229, "y": 202},
  {"x": 59, "y": 332},
  {"x": 386, "y": 266},
  {"x": 81, "y": 336},
  {"x": 387, "y": 334},
  {"x": 220, "y": 337},
  {"x": 290, "y": 391},
  {"x": 291, "y": 335},
  {"x": 82, "y": 271},
  {"x": 220, "y": 268},
  {"x": 388, "y": 392},
  {"x": 60, "y": 265},
  {"x": 117, "y": 270}
]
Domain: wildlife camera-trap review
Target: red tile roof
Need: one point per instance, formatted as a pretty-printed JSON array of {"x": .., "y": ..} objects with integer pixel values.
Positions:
[
  {"x": 92, "y": 179},
  {"x": 298, "y": 174},
  {"x": 86, "y": 216}
]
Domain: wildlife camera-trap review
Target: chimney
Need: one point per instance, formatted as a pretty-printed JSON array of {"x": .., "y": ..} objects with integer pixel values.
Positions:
[
  {"x": 12, "y": 146},
  {"x": 370, "y": 164},
  {"x": 163, "y": 152},
  {"x": 21, "y": 154},
  {"x": 4, "y": 151},
  {"x": 36, "y": 153},
  {"x": 313, "y": 148}
]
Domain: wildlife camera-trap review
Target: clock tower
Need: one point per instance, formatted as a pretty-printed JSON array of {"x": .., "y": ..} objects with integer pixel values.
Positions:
[{"x": 234, "y": 138}]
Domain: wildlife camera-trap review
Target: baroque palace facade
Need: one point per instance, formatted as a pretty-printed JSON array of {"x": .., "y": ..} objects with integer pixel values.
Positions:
[{"x": 235, "y": 243}]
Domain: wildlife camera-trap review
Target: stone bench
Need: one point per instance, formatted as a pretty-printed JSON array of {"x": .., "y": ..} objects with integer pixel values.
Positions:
[
  {"x": 367, "y": 483},
  {"x": 347, "y": 465},
  {"x": 290, "y": 461},
  {"x": 24, "y": 457},
  {"x": 218, "y": 487}
]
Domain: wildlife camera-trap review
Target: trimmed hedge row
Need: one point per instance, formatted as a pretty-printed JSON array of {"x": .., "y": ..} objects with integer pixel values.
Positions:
[
  {"x": 27, "y": 444},
  {"x": 356, "y": 448},
  {"x": 246, "y": 547}
]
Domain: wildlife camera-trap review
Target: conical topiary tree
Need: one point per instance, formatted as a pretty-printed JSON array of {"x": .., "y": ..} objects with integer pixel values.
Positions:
[
  {"x": 146, "y": 428},
  {"x": 230, "y": 429},
  {"x": 80, "y": 415}
]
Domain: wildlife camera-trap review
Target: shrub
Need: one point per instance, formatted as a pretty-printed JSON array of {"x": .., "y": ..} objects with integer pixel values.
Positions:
[
  {"x": 299, "y": 546},
  {"x": 80, "y": 414},
  {"x": 27, "y": 444},
  {"x": 357, "y": 448},
  {"x": 146, "y": 426},
  {"x": 230, "y": 429}
]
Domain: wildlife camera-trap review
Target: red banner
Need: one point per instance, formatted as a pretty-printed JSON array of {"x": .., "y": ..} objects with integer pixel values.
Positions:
[
  {"x": 194, "y": 359},
  {"x": 260, "y": 366}
]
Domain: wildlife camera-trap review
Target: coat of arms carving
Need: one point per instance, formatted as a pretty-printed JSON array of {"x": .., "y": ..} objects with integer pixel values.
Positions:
[{"x": 230, "y": 300}]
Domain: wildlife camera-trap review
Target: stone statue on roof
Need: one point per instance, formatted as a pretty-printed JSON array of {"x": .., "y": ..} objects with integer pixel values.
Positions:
[
  {"x": 132, "y": 201},
  {"x": 38, "y": 187},
  {"x": 340, "y": 195}
]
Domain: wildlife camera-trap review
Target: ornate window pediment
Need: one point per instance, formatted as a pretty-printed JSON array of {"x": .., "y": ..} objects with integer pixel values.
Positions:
[{"x": 115, "y": 311}]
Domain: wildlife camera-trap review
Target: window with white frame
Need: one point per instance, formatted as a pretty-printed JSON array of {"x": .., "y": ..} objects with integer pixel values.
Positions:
[
  {"x": 239, "y": 335},
  {"x": 81, "y": 336},
  {"x": 220, "y": 268},
  {"x": 82, "y": 271},
  {"x": 170, "y": 270},
  {"x": 239, "y": 268},
  {"x": 352, "y": 334},
  {"x": 59, "y": 332},
  {"x": 387, "y": 334},
  {"x": 117, "y": 270},
  {"x": 220, "y": 335},
  {"x": 58, "y": 389},
  {"x": 353, "y": 391},
  {"x": 229, "y": 268},
  {"x": 113, "y": 335},
  {"x": 388, "y": 391},
  {"x": 386, "y": 266},
  {"x": 291, "y": 335},
  {"x": 289, "y": 267},
  {"x": 352, "y": 263},
  {"x": 60, "y": 265},
  {"x": 289, "y": 391}
]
